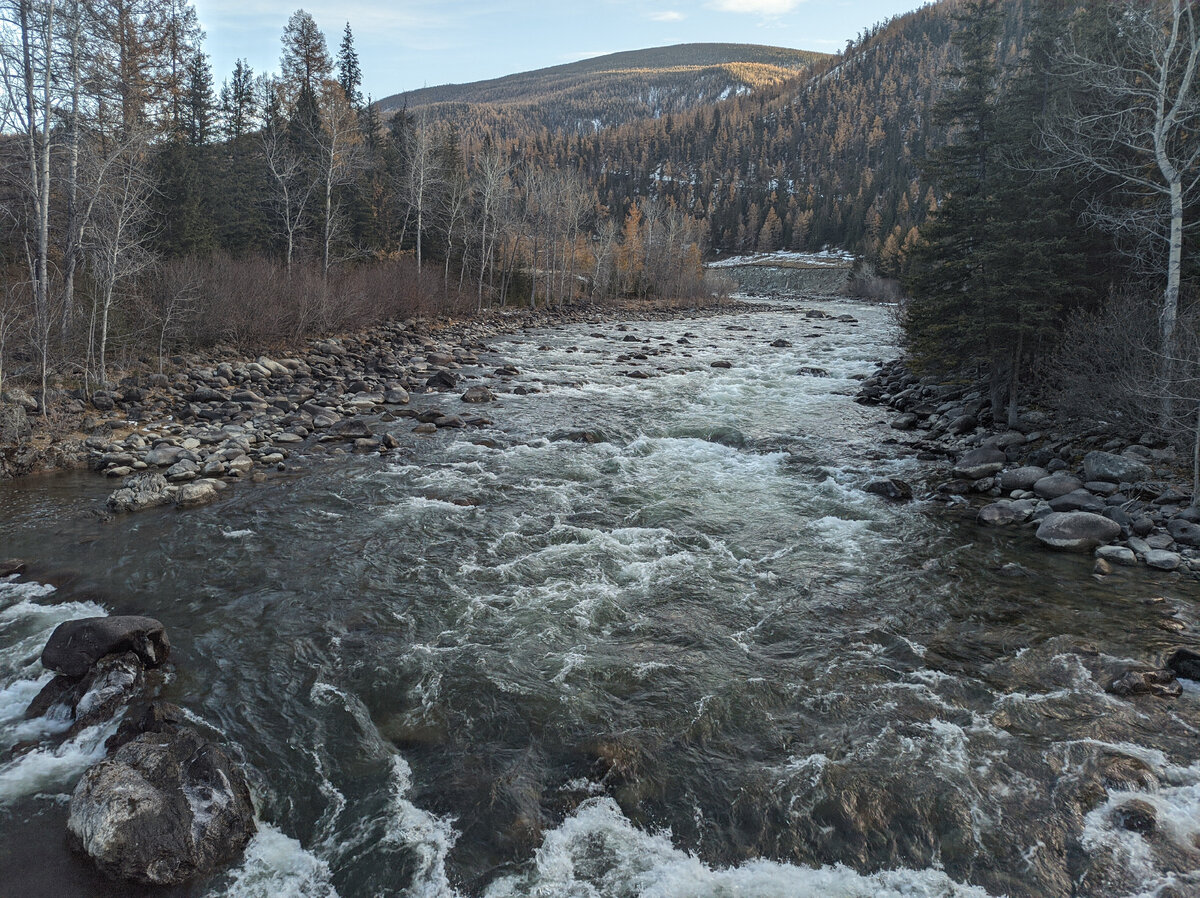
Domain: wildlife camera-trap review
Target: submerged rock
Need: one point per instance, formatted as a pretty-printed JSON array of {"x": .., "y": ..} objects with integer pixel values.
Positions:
[
  {"x": 890, "y": 488},
  {"x": 1137, "y": 816},
  {"x": 164, "y": 808},
  {"x": 76, "y": 645},
  {"x": 1146, "y": 682},
  {"x": 11, "y": 566},
  {"x": 1185, "y": 663}
]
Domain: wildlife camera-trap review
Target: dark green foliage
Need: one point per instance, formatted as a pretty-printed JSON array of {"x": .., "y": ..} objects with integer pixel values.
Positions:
[
  {"x": 954, "y": 280},
  {"x": 199, "y": 104},
  {"x": 238, "y": 104},
  {"x": 1003, "y": 258},
  {"x": 349, "y": 73}
]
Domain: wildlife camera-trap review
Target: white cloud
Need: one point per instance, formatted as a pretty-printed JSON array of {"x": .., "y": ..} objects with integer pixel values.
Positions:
[
  {"x": 756, "y": 7},
  {"x": 668, "y": 16}
]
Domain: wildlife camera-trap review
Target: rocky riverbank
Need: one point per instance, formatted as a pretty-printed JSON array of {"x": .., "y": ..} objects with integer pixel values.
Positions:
[
  {"x": 182, "y": 436},
  {"x": 1124, "y": 501}
]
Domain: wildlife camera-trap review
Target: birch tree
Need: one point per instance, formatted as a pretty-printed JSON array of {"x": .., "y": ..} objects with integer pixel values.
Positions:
[
  {"x": 1133, "y": 117},
  {"x": 491, "y": 183},
  {"x": 291, "y": 189},
  {"x": 118, "y": 235},
  {"x": 337, "y": 139},
  {"x": 27, "y": 68},
  {"x": 421, "y": 180}
]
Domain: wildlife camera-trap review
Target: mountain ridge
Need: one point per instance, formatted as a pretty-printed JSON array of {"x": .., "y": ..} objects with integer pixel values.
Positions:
[{"x": 669, "y": 57}]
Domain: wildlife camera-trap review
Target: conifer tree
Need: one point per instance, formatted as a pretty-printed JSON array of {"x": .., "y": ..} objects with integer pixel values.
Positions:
[
  {"x": 950, "y": 275},
  {"x": 237, "y": 101},
  {"x": 349, "y": 73},
  {"x": 198, "y": 102}
]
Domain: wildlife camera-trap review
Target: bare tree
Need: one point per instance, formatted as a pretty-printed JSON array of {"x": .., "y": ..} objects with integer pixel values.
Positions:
[
  {"x": 491, "y": 187},
  {"x": 604, "y": 270},
  {"x": 293, "y": 189},
  {"x": 11, "y": 318},
  {"x": 1132, "y": 115},
  {"x": 118, "y": 236},
  {"x": 178, "y": 289},
  {"x": 338, "y": 139},
  {"x": 456, "y": 199},
  {"x": 575, "y": 204},
  {"x": 422, "y": 180},
  {"x": 27, "y": 69}
]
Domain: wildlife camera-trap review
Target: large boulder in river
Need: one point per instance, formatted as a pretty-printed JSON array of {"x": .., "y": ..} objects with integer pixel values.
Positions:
[
  {"x": 164, "y": 808},
  {"x": 478, "y": 394},
  {"x": 141, "y": 491},
  {"x": 1112, "y": 468},
  {"x": 978, "y": 463},
  {"x": 76, "y": 645},
  {"x": 1077, "y": 531}
]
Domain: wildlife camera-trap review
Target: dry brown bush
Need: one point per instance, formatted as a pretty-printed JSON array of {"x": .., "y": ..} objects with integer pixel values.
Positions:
[
  {"x": 256, "y": 302},
  {"x": 1108, "y": 368}
]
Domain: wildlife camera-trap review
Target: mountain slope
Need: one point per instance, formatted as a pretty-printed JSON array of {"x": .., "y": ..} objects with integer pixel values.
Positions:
[
  {"x": 585, "y": 96},
  {"x": 832, "y": 155}
]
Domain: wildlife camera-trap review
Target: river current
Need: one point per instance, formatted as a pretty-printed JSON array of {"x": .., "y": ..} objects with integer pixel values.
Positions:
[{"x": 643, "y": 637}]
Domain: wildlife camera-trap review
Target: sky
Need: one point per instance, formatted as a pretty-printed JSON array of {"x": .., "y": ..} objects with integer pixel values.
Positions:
[{"x": 406, "y": 44}]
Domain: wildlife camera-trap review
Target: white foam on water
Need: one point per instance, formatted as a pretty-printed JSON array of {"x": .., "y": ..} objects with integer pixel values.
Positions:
[
  {"x": 1175, "y": 797},
  {"x": 277, "y": 866},
  {"x": 236, "y": 534},
  {"x": 10, "y": 587},
  {"x": 25, "y": 626},
  {"x": 53, "y": 770},
  {"x": 598, "y": 853},
  {"x": 429, "y": 837},
  {"x": 423, "y": 503}
]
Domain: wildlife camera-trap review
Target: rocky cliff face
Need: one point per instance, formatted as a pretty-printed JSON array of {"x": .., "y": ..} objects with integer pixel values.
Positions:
[{"x": 757, "y": 280}]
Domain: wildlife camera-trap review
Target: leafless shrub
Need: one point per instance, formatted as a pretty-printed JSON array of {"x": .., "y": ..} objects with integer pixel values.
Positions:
[
  {"x": 1108, "y": 370},
  {"x": 874, "y": 288},
  {"x": 719, "y": 286},
  {"x": 255, "y": 302}
]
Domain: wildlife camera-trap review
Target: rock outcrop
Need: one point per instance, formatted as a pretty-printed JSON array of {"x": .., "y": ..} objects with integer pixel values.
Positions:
[{"x": 164, "y": 808}]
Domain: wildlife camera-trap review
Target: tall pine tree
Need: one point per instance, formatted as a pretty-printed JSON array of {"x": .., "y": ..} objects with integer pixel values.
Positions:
[{"x": 349, "y": 73}]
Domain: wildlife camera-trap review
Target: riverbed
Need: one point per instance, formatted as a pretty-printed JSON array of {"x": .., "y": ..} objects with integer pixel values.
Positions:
[{"x": 645, "y": 636}]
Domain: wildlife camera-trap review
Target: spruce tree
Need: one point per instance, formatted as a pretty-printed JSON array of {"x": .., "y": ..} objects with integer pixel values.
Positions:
[
  {"x": 349, "y": 73},
  {"x": 950, "y": 320},
  {"x": 237, "y": 102}
]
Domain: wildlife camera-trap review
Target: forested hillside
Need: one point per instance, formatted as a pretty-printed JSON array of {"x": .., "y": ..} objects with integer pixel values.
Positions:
[
  {"x": 830, "y": 156},
  {"x": 587, "y": 96}
]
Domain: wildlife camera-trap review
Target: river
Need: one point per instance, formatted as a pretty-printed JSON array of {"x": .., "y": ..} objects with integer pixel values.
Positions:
[{"x": 688, "y": 657}]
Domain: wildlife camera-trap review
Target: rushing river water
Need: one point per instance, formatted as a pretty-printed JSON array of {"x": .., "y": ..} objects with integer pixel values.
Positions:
[{"x": 690, "y": 658}]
